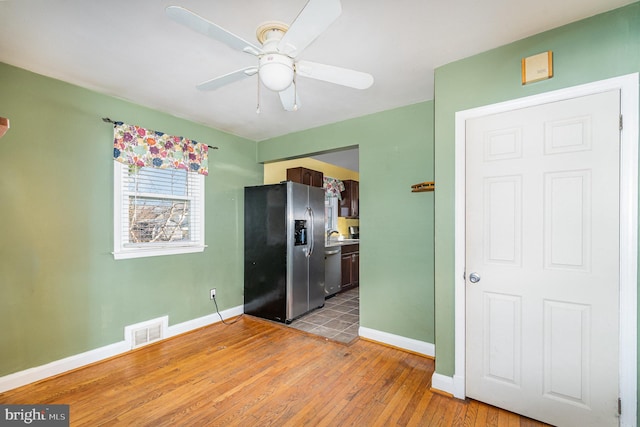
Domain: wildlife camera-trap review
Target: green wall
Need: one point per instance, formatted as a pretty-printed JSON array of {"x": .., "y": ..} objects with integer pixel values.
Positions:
[
  {"x": 601, "y": 47},
  {"x": 396, "y": 225},
  {"x": 62, "y": 293}
]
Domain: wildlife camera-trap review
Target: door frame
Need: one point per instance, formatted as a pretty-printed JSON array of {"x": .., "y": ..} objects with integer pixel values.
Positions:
[{"x": 629, "y": 98}]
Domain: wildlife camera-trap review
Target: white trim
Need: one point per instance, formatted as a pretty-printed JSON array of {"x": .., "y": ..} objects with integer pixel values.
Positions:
[
  {"x": 76, "y": 361},
  {"x": 404, "y": 343},
  {"x": 147, "y": 252},
  {"x": 18, "y": 379},
  {"x": 442, "y": 383},
  {"x": 628, "y": 86},
  {"x": 200, "y": 322},
  {"x": 452, "y": 385}
]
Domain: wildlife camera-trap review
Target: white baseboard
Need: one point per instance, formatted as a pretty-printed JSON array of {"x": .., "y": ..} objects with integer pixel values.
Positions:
[
  {"x": 451, "y": 385},
  {"x": 209, "y": 319},
  {"x": 442, "y": 383},
  {"x": 410, "y": 344},
  {"x": 56, "y": 367}
]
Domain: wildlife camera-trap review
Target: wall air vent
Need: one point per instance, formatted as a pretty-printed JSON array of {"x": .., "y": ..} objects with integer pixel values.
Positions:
[{"x": 145, "y": 333}]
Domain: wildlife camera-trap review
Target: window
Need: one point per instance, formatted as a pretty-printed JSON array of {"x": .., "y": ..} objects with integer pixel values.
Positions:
[
  {"x": 333, "y": 188},
  {"x": 330, "y": 213},
  {"x": 157, "y": 211}
]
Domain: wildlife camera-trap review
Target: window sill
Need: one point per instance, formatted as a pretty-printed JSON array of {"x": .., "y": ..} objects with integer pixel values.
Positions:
[{"x": 143, "y": 253}]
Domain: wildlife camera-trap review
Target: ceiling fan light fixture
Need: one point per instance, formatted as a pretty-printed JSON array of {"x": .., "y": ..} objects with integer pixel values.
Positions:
[{"x": 276, "y": 71}]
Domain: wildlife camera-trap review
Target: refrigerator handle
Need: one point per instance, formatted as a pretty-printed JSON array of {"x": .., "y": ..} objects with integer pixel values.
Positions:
[{"x": 312, "y": 242}]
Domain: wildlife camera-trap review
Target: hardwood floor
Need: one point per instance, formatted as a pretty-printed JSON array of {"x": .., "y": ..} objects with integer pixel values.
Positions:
[{"x": 258, "y": 373}]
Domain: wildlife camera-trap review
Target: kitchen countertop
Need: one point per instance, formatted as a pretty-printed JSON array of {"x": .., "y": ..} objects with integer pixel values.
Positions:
[{"x": 343, "y": 242}]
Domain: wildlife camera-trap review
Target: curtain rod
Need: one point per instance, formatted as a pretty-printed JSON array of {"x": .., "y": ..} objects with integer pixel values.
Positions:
[{"x": 108, "y": 120}]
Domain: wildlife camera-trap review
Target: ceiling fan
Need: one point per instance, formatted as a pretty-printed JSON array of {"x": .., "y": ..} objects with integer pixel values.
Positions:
[{"x": 281, "y": 44}]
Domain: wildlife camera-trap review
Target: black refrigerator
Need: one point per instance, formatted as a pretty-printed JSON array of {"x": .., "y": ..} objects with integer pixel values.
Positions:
[{"x": 283, "y": 250}]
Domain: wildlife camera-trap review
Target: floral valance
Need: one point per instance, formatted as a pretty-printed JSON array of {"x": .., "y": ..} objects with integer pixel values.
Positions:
[
  {"x": 133, "y": 145},
  {"x": 333, "y": 187}
]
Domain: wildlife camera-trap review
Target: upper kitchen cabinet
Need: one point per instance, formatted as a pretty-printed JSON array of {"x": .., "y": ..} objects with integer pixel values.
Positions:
[
  {"x": 349, "y": 205},
  {"x": 305, "y": 176}
]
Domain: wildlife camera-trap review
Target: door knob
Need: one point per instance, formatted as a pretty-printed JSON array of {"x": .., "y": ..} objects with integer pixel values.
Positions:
[{"x": 474, "y": 277}]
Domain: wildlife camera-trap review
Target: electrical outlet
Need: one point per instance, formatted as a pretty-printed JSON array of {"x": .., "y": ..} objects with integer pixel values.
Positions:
[{"x": 212, "y": 293}]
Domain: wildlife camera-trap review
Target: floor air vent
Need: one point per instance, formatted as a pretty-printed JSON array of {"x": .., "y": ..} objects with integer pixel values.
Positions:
[{"x": 146, "y": 332}]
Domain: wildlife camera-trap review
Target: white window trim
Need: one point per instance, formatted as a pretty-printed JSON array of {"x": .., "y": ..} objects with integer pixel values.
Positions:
[{"x": 121, "y": 252}]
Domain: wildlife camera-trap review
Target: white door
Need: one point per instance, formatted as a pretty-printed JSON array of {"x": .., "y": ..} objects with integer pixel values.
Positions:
[{"x": 542, "y": 237}]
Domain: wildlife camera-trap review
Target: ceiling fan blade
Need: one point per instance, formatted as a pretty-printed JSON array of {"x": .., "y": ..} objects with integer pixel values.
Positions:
[
  {"x": 198, "y": 23},
  {"x": 289, "y": 98},
  {"x": 316, "y": 17},
  {"x": 227, "y": 78},
  {"x": 337, "y": 75}
]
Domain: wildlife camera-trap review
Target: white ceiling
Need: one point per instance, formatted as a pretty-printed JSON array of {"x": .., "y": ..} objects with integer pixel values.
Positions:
[{"x": 130, "y": 49}]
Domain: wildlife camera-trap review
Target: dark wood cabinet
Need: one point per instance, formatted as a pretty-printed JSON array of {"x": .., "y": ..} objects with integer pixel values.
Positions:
[
  {"x": 305, "y": 176},
  {"x": 350, "y": 203},
  {"x": 350, "y": 267}
]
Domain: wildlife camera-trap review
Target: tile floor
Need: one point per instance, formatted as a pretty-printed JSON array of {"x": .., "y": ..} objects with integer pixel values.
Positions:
[{"x": 338, "y": 320}]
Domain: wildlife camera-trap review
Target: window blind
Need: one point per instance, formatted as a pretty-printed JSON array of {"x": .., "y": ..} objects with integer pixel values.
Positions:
[{"x": 160, "y": 207}]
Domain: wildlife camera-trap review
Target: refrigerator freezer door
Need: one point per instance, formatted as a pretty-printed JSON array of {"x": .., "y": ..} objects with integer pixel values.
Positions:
[{"x": 297, "y": 260}]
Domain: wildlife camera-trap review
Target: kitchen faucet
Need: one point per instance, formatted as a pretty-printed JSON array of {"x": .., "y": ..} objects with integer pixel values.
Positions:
[{"x": 330, "y": 232}]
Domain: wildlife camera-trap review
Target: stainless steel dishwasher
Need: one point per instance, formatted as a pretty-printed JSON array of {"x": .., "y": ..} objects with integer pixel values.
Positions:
[{"x": 332, "y": 270}]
